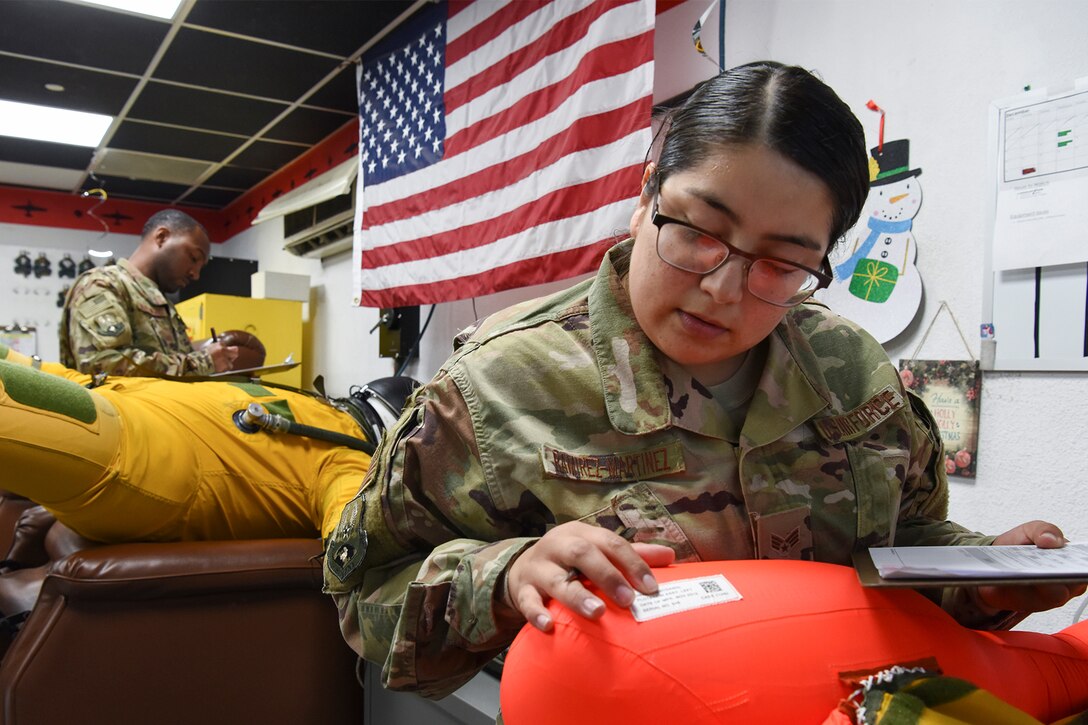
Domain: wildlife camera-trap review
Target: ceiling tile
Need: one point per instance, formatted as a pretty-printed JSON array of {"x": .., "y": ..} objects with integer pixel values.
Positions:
[
  {"x": 84, "y": 90},
  {"x": 148, "y": 190},
  {"x": 137, "y": 136},
  {"x": 215, "y": 61},
  {"x": 30, "y": 151},
  {"x": 305, "y": 125},
  {"x": 267, "y": 155},
  {"x": 149, "y": 167},
  {"x": 333, "y": 27},
  {"x": 45, "y": 177},
  {"x": 80, "y": 34},
  {"x": 339, "y": 94},
  {"x": 204, "y": 109},
  {"x": 235, "y": 177},
  {"x": 215, "y": 198}
]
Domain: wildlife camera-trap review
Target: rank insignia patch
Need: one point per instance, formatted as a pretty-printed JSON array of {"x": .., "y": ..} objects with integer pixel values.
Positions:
[{"x": 347, "y": 545}]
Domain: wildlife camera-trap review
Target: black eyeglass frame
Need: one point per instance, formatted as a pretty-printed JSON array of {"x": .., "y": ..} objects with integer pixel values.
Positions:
[{"x": 658, "y": 219}]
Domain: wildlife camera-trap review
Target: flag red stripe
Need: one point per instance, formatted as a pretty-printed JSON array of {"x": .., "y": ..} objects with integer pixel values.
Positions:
[
  {"x": 560, "y": 204},
  {"x": 604, "y": 62},
  {"x": 490, "y": 28},
  {"x": 568, "y": 31},
  {"x": 585, "y": 133},
  {"x": 453, "y": 7},
  {"x": 526, "y": 272}
]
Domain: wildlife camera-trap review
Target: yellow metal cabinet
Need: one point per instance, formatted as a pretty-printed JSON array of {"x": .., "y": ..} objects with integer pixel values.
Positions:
[{"x": 278, "y": 323}]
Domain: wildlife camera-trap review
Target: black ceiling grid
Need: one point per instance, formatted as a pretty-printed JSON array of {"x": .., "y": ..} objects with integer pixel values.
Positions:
[{"x": 209, "y": 104}]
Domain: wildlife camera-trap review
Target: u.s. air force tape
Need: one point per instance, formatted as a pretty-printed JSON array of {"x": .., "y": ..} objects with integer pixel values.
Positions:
[{"x": 863, "y": 418}]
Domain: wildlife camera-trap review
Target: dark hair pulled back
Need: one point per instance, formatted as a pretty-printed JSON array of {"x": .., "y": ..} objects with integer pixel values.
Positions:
[{"x": 788, "y": 110}]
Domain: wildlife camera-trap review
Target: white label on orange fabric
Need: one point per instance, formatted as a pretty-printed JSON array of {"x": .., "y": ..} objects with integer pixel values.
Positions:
[{"x": 684, "y": 594}]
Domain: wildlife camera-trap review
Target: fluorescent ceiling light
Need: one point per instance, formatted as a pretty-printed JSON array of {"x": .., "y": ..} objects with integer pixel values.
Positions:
[
  {"x": 164, "y": 9},
  {"x": 44, "y": 123}
]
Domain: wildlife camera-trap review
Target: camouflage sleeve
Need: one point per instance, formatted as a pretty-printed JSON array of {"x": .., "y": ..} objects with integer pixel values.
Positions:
[
  {"x": 923, "y": 520},
  {"x": 100, "y": 337},
  {"x": 423, "y": 599},
  {"x": 923, "y": 511}
]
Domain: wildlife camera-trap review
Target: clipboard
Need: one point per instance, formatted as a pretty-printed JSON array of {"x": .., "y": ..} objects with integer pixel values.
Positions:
[
  {"x": 257, "y": 371},
  {"x": 870, "y": 577}
]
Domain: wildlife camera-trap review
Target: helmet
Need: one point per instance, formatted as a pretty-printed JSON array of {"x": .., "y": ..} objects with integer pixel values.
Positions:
[{"x": 377, "y": 405}]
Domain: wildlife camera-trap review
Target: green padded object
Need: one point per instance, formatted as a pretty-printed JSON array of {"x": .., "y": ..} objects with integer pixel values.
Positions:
[{"x": 47, "y": 392}]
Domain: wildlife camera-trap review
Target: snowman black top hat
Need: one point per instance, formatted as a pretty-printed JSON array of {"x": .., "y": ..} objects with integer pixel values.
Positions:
[{"x": 892, "y": 163}]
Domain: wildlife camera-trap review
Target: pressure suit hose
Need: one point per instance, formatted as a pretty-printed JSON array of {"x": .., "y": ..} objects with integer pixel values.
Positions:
[{"x": 256, "y": 417}]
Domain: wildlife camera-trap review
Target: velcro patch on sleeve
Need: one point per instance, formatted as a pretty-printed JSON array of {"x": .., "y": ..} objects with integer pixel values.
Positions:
[
  {"x": 34, "y": 389},
  {"x": 348, "y": 542}
]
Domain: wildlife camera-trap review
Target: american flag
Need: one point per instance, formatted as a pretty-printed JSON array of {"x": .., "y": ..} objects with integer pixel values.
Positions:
[{"x": 501, "y": 145}]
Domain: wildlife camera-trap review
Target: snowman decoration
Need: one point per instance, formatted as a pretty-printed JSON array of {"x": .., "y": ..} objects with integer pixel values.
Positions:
[{"x": 877, "y": 283}]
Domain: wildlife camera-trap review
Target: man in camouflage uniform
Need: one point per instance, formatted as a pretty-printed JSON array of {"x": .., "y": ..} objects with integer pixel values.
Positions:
[
  {"x": 148, "y": 459},
  {"x": 117, "y": 320},
  {"x": 500, "y": 448}
]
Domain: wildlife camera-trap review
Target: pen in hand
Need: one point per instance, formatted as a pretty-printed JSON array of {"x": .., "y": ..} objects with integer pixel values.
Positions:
[{"x": 215, "y": 338}]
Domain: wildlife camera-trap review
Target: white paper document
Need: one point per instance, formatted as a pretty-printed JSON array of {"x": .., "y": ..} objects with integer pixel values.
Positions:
[
  {"x": 1042, "y": 182},
  {"x": 910, "y": 562},
  {"x": 682, "y": 595}
]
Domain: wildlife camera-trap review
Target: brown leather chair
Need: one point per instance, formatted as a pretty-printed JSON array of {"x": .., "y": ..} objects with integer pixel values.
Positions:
[{"x": 194, "y": 632}]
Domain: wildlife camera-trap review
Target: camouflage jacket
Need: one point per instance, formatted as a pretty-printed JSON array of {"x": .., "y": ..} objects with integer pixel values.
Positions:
[
  {"x": 561, "y": 409},
  {"x": 116, "y": 320}
]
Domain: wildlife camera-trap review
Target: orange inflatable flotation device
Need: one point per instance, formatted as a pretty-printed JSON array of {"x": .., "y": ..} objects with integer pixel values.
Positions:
[{"x": 778, "y": 655}]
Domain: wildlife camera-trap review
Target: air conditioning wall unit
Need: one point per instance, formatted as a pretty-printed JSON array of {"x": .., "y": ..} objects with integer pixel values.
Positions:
[{"x": 321, "y": 230}]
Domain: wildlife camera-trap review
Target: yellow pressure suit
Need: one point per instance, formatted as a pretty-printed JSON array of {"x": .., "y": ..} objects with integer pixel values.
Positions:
[{"x": 151, "y": 459}]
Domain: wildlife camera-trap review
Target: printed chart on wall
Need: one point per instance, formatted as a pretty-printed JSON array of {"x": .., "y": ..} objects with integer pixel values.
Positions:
[{"x": 1036, "y": 301}]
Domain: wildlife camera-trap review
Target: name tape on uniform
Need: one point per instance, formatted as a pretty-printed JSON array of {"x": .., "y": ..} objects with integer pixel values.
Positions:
[{"x": 683, "y": 595}]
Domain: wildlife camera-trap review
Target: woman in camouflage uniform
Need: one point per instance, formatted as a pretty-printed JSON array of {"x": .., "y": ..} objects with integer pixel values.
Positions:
[{"x": 689, "y": 403}]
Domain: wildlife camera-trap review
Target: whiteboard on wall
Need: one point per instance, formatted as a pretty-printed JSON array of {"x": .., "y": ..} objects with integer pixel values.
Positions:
[{"x": 1036, "y": 259}]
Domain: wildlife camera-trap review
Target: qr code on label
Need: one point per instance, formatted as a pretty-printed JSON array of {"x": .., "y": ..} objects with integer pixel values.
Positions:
[{"x": 681, "y": 595}]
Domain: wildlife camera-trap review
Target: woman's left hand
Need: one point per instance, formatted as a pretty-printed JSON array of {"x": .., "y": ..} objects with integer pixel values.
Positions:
[{"x": 1036, "y": 597}]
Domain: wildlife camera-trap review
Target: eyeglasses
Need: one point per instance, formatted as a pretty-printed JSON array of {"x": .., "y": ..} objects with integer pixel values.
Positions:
[{"x": 777, "y": 281}]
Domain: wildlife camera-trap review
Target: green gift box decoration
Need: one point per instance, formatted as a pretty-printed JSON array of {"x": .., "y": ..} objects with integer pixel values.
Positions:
[{"x": 873, "y": 280}]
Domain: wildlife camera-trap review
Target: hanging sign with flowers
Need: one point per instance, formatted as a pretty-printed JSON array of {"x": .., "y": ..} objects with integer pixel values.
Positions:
[{"x": 950, "y": 389}]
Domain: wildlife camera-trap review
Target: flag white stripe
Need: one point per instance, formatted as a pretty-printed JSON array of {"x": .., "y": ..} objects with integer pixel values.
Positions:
[
  {"x": 541, "y": 240},
  {"x": 559, "y": 64},
  {"x": 567, "y": 171},
  {"x": 471, "y": 16},
  {"x": 519, "y": 35}
]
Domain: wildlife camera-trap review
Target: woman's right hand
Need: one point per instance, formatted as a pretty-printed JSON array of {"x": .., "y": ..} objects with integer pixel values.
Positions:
[{"x": 553, "y": 566}]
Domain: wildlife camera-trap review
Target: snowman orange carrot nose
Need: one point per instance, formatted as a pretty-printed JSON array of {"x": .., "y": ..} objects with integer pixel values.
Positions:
[{"x": 896, "y": 199}]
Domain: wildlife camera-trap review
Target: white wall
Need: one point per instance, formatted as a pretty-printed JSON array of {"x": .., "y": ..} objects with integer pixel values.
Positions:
[
  {"x": 336, "y": 337},
  {"x": 31, "y": 301},
  {"x": 340, "y": 344}
]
